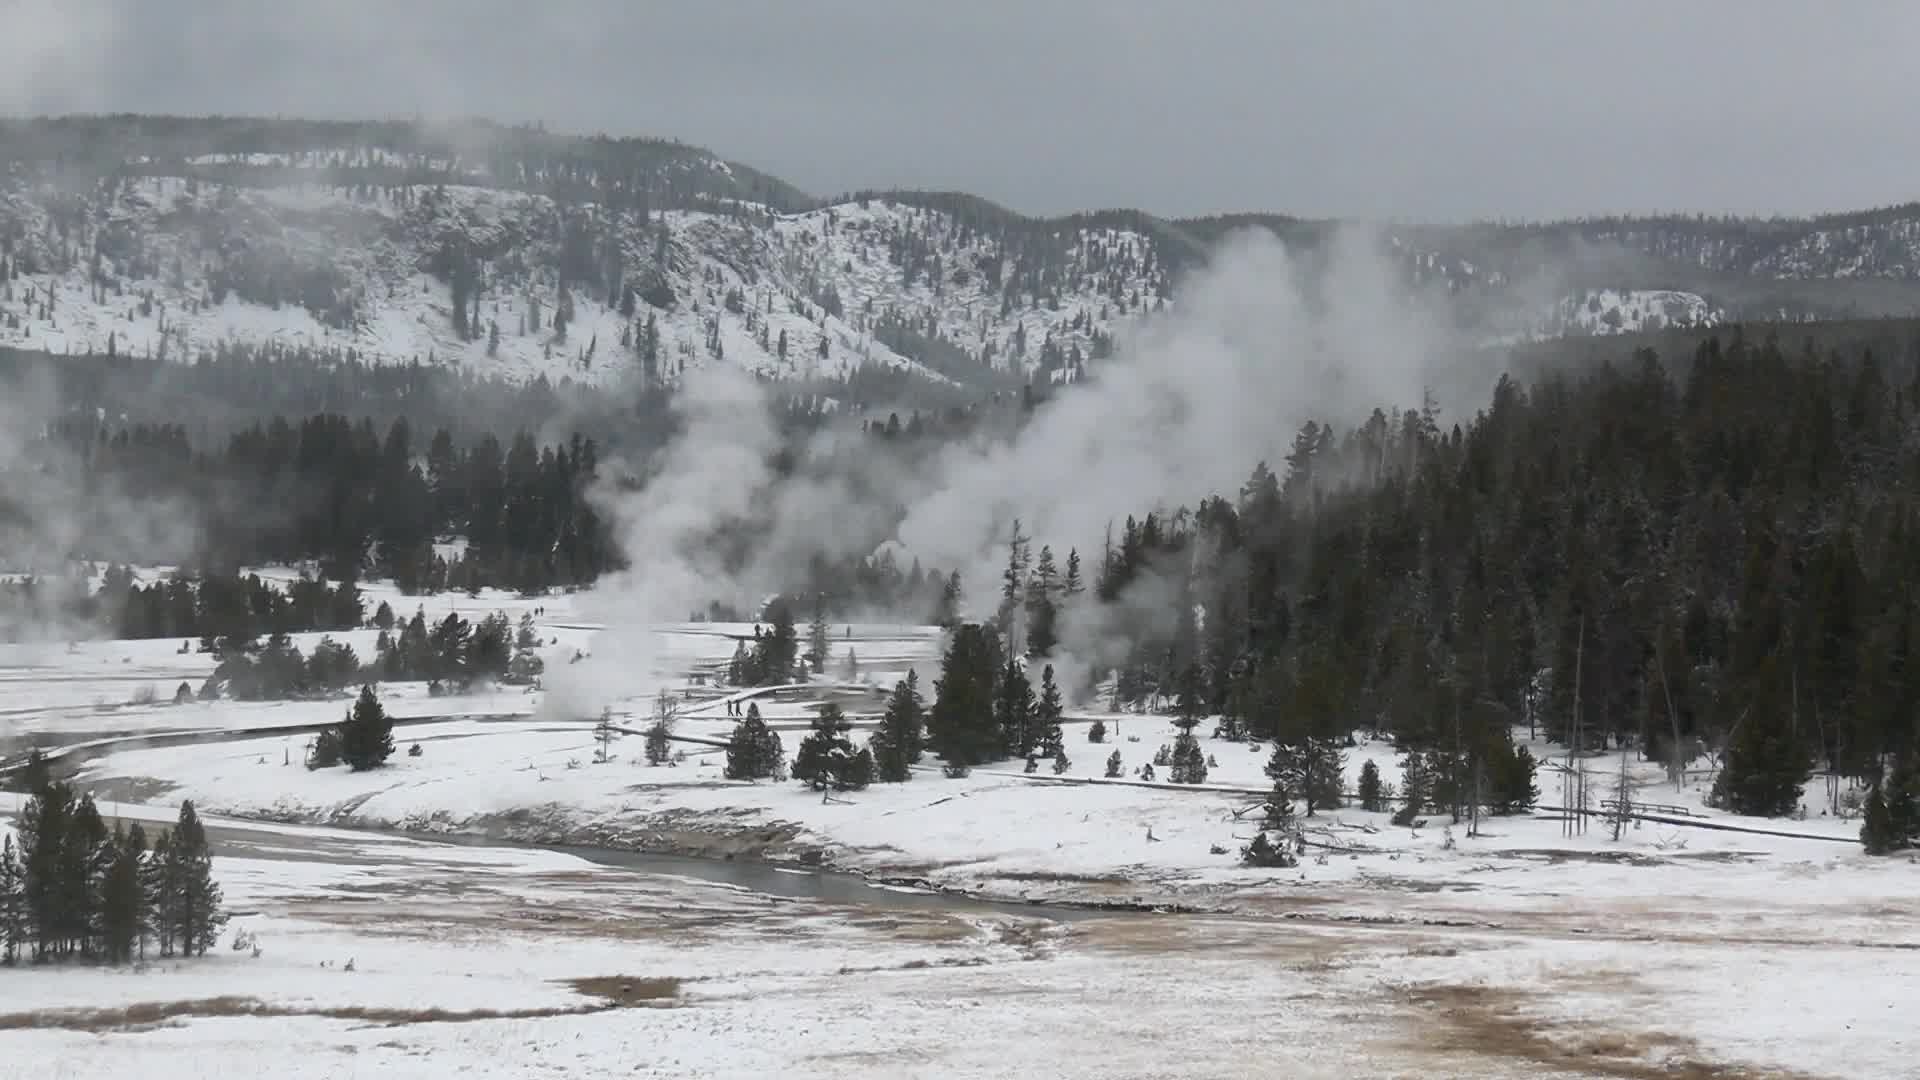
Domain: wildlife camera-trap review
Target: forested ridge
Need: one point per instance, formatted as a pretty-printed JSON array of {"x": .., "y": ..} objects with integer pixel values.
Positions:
[{"x": 1717, "y": 560}]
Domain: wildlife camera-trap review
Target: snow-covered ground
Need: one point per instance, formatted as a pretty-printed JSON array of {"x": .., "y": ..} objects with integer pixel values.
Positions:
[
  {"x": 389, "y": 957},
  {"x": 746, "y": 290},
  {"x": 1513, "y": 949}
]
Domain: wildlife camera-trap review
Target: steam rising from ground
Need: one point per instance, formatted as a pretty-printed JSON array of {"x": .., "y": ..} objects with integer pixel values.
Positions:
[
  {"x": 1256, "y": 345},
  {"x": 52, "y": 512}
]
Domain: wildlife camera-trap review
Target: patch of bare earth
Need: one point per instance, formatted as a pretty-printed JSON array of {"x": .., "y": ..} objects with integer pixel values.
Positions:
[
  {"x": 611, "y": 992},
  {"x": 1493, "y": 1024}
]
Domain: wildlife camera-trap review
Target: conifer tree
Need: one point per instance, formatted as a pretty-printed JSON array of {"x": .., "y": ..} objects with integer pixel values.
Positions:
[
  {"x": 160, "y": 883},
  {"x": 1046, "y": 714},
  {"x": 1014, "y": 707},
  {"x": 897, "y": 744},
  {"x": 366, "y": 738},
  {"x": 826, "y": 758},
  {"x": 1042, "y": 603},
  {"x": 14, "y": 922},
  {"x": 123, "y": 902},
  {"x": 199, "y": 914},
  {"x": 753, "y": 750},
  {"x": 1114, "y": 765},
  {"x": 1188, "y": 762},
  {"x": 961, "y": 724},
  {"x": 817, "y": 640},
  {"x": 1312, "y": 770},
  {"x": 1369, "y": 788}
]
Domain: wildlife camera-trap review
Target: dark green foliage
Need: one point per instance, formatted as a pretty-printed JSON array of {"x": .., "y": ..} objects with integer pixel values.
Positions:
[
  {"x": 1267, "y": 850},
  {"x": 826, "y": 758},
  {"x": 817, "y": 641},
  {"x": 1189, "y": 762},
  {"x": 897, "y": 744},
  {"x": 961, "y": 725},
  {"x": 324, "y": 753},
  {"x": 1097, "y": 731},
  {"x": 1014, "y": 709},
  {"x": 1512, "y": 786},
  {"x": 14, "y": 921},
  {"x": 1046, "y": 717},
  {"x": 775, "y": 651},
  {"x": 1765, "y": 771},
  {"x": 753, "y": 750},
  {"x": 659, "y": 745},
  {"x": 1313, "y": 771},
  {"x": 1416, "y": 787},
  {"x": 366, "y": 738},
  {"x": 123, "y": 901},
  {"x": 72, "y": 888},
  {"x": 1891, "y": 815},
  {"x": 1369, "y": 788},
  {"x": 195, "y": 897}
]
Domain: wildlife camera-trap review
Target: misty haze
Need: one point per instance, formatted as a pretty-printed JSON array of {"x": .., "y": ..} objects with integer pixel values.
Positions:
[{"x": 1371, "y": 541}]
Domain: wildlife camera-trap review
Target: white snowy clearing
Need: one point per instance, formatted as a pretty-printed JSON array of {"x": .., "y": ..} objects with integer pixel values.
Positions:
[{"x": 1519, "y": 950}]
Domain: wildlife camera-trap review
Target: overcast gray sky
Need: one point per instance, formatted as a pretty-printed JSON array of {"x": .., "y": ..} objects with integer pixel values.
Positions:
[{"x": 1410, "y": 110}]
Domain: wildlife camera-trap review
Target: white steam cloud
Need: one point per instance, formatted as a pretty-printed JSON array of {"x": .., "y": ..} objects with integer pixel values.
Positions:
[{"x": 1256, "y": 344}]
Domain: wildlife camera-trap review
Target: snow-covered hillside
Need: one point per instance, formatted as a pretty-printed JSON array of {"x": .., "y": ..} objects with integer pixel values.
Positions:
[
  {"x": 162, "y": 263},
  {"x": 1614, "y": 311}
]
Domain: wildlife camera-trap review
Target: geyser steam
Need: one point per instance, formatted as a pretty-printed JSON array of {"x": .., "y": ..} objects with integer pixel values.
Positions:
[{"x": 1256, "y": 345}]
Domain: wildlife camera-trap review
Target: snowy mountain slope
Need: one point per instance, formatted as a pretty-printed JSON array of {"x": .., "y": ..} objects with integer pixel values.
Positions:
[
  {"x": 523, "y": 254},
  {"x": 1600, "y": 312},
  {"x": 171, "y": 265}
]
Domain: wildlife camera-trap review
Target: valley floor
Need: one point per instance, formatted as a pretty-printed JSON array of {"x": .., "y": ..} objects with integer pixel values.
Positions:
[{"x": 1519, "y": 950}]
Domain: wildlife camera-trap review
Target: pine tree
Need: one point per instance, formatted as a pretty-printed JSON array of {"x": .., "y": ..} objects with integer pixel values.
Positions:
[
  {"x": 1114, "y": 765},
  {"x": 1279, "y": 810},
  {"x": 603, "y": 736},
  {"x": 1877, "y": 832},
  {"x": 13, "y": 903},
  {"x": 753, "y": 750},
  {"x": 1189, "y": 762},
  {"x": 1416, "y": 787},
  {"x": 1012, "y": 582},
  {"x": 123, "y": 903},
  {"x": 1369, "y": 792},
  {"x": 1013, "y": 710},
  {"x": 1042, "y": 605},
  {"x": 1097, "y": 731},
  {"x": 160, "y": 883},
  {"x": 199, "y": 914},
  {"x": 897, "y": 744},
  {"x": 960, "y": 725},
  {"x": 817, "y": 640},
  {"x": 1072, "y": 586},
  {"x": 1312, "y": 770},
  {"x": 946, "y": 614},
  {"x": 366, "y": 738},
  {"x": 826, "y": 758},
  {"x": 1046, "y": 715},
  {"x": 1766, "y": 769}
]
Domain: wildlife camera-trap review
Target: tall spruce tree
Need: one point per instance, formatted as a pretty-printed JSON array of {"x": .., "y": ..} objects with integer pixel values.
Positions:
[
  {"x": 897, "y": 744},
  {"x": 1046, "y": 716},
  {"x": 961, "y": 724},
  {"x": 1014, "y": 709},
  {"x": 199, "y": 915},
  {"x": 14, "y": 921},
  {"x": 366, "y": 738},
  {"x": 753, "y": 750},
  {"x": 826, "y": 757}
]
